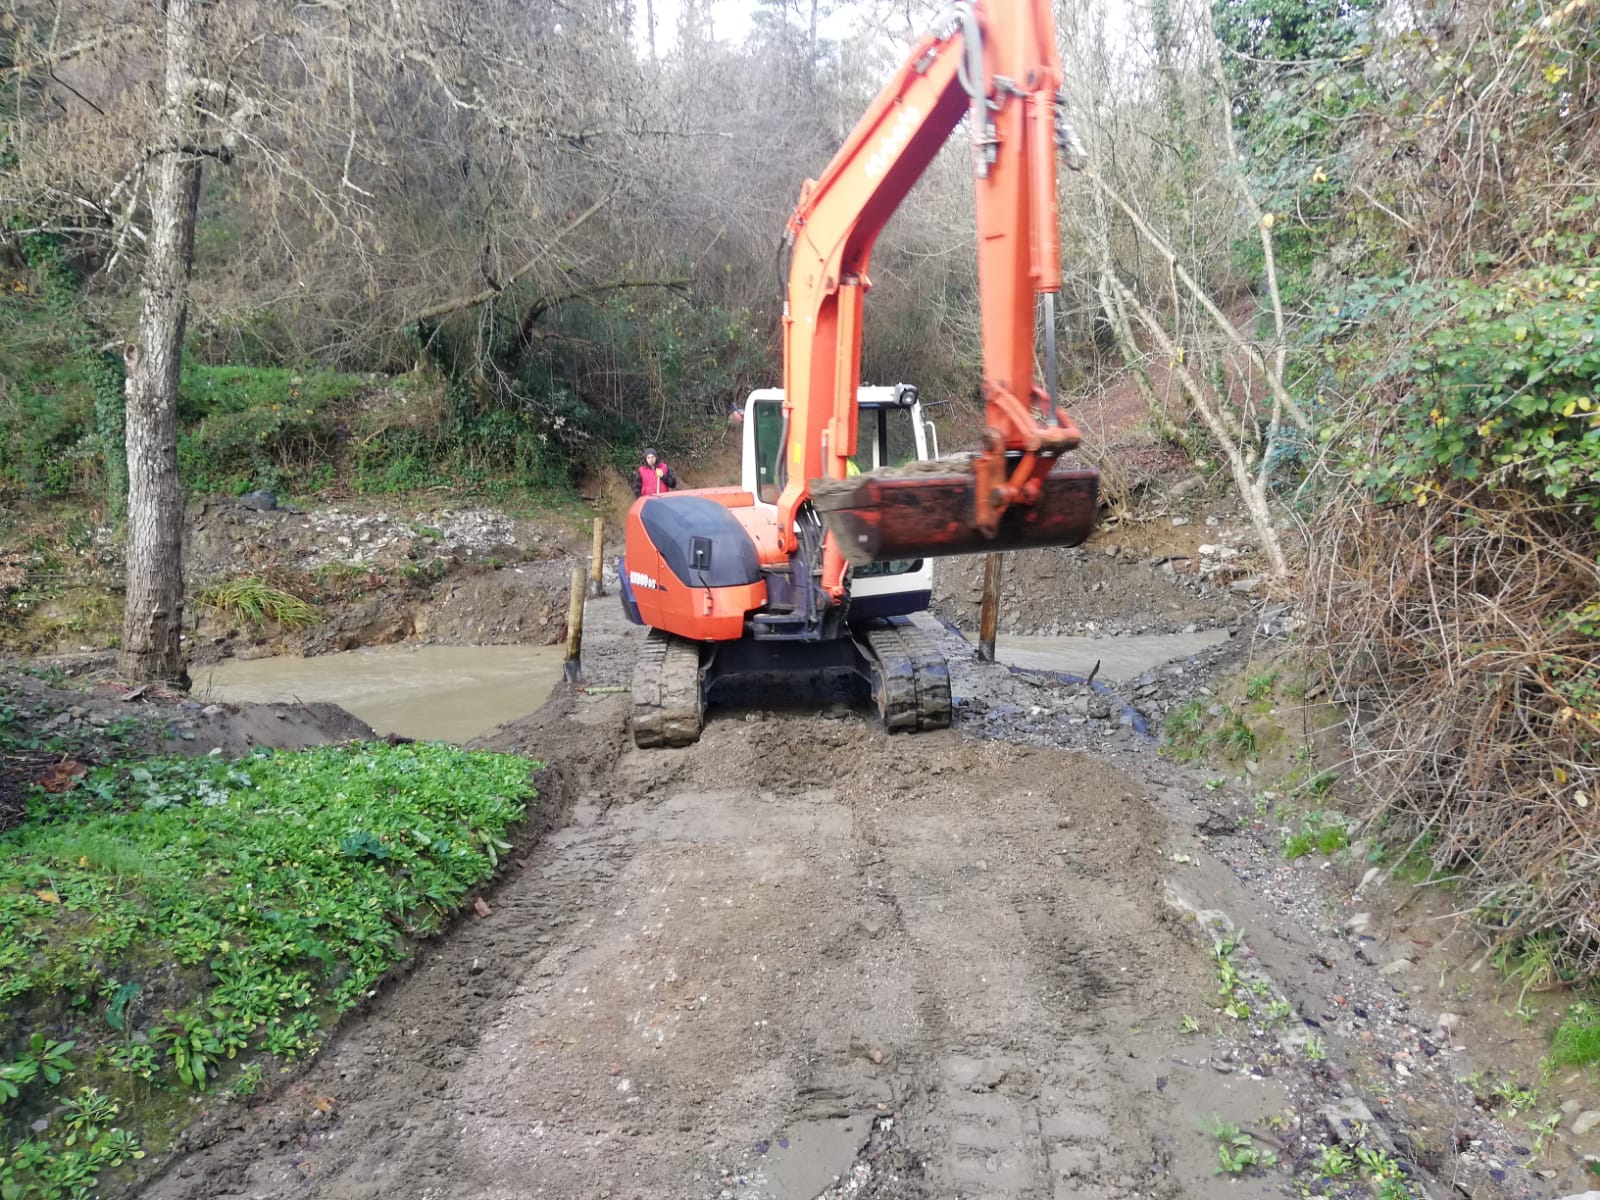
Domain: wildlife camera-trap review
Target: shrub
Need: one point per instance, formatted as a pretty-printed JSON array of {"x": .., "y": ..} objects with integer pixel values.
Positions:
[{"x": 258, "y": 427}]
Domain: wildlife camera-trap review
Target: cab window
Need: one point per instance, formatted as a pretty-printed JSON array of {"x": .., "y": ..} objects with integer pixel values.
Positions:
[
  {"x": 768, "y": 415},
  {"x": 885, "y": 437},
  {"x": 899, "y": 445}
]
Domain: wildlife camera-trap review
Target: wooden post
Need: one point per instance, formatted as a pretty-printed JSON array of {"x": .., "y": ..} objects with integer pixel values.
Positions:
[
  {"x": 989, "y": 615},
  {"x": 597, "y": 564},
  {"x": 572, "y": 667}
]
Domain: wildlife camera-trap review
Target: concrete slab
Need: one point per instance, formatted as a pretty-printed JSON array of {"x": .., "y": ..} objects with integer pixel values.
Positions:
[{"x": 1120, "y": 658}]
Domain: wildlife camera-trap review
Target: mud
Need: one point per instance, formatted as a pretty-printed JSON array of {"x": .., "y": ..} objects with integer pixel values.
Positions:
[
  {"x": 443, "y": 576},
  {"x": 737, "y": 960},
  {"x": 802, "y": 959},
  {"x": 516, "y": 604},
  {"x": 55, "y": 732},
  {"x": 1113, "y": 658},
  {"x": 1094, "y": 589},
  {"x": 105, "y": 720}
]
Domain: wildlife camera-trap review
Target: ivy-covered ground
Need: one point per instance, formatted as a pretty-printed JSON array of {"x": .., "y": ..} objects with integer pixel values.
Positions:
[{"x": 175, "y": 926}]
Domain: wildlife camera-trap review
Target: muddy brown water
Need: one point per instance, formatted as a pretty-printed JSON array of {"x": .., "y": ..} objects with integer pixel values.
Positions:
[
  {"x": 1117, "y": 658},
  {"x": 443, "y": 693}
]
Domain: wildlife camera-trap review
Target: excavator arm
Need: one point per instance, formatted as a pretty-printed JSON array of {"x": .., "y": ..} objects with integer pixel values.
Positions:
[{"x": 995, "y": 61}]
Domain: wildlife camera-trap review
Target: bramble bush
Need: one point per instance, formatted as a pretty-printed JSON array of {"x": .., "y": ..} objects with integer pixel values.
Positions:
[
  {"x": 257, "y": 427},
  {"x": 1500, "y": 385}
]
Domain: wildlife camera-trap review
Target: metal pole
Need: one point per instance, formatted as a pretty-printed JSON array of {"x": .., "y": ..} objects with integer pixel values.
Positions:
[
  {"x": 597, "y": 564},
  {"x": 989, "y": 616},
  {"x": 571, "y": 668},
  {"x": 1050, "y": 357}
]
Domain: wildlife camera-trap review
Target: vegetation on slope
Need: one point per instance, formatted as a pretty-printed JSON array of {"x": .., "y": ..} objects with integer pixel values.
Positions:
[
  {"x": 168, "y": 925},
  {"x": 1451, "y": 344}
]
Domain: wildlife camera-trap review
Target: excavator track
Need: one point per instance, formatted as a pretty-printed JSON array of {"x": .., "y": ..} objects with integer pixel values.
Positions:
[
  {"x": 668, "y": 694},
  {"x": 912, "y": 687}
]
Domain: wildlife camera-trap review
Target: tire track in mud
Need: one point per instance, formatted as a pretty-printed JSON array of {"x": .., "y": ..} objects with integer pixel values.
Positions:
[
  {"x": 736, "y": 960},
  {"x": 1020, "y": 1080},
  {"x": 752, "y": 946}
]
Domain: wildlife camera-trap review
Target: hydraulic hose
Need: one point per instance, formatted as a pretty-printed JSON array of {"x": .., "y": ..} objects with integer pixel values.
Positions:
[{"x": 969, "y": 70}]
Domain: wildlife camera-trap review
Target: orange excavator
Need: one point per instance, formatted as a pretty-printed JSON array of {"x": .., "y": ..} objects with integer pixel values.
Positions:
[{"x": 761, "y": 580}]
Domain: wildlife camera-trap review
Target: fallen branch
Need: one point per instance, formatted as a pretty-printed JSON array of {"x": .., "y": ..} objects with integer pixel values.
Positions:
[{"x": 1252, "y": 490}]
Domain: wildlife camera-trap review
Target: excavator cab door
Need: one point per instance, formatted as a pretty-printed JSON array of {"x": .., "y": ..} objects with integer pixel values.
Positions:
[
  {"x": 762, "y": 450},
  {"x": 891, "y": 431}
]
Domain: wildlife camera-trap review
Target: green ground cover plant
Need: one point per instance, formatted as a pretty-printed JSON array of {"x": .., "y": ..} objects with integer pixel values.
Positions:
[
  {"x": 1197, "y": 730},
  {"x": 159, "y": 920},
  {"x": 1320, "y": 832},
  {"x": 1237, "y": 1151},
  {"x": 1577, "y": 1039},
  {"x": 259, "y": 427}
]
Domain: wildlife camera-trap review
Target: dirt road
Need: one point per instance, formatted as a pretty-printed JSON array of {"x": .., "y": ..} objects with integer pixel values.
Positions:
[{"x": 799, "y": 959}]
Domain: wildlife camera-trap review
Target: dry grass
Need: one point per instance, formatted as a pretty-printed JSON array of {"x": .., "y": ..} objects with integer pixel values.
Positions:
[{"x": 1448, "y": 631}]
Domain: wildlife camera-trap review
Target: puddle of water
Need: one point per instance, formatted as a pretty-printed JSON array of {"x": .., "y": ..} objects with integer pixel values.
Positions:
[
  {"x": 810, "y": 1156},
  {"x": 1119, "y": 658},
  {"x": 436, "y": 693}
]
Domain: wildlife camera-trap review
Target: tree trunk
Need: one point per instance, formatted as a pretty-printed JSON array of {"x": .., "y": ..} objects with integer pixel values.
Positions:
[{"x": 153, "y": 618}]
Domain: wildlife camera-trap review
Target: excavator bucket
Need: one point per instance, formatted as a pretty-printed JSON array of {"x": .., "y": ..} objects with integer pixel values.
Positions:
[{"x": 929, "y": 513}]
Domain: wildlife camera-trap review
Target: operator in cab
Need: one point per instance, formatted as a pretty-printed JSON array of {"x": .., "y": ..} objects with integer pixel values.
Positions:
[{"x": 653, "y": 477}]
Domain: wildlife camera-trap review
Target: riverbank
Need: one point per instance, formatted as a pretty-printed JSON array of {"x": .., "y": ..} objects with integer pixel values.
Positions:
[
  {"x": 192, "y": 896},
  {"x": 299, "y": 582}
]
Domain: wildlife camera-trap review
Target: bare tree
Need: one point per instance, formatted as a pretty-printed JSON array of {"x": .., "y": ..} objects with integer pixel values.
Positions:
[
  {"x": 152, "y": 621},
  {"x": 388, "y": 160},
  {"x": 1165, "y": 202},
  {"x": 476, "y": 171}
]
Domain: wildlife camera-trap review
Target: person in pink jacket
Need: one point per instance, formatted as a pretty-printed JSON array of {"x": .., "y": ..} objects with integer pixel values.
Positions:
[{"x": 653, "y": 476}]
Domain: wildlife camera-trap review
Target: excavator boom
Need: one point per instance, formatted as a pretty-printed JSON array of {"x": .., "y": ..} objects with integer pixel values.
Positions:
[{"x": 996, "y": 63}]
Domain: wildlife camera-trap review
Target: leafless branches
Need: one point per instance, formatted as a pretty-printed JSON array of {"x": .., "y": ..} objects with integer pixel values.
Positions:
[
  {"x": 1165, "y": 201},
  {"x": 1446, "y": 626}
]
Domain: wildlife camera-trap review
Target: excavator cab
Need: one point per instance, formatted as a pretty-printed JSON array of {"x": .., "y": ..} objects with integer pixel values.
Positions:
[{"x": 892, "y": 433}]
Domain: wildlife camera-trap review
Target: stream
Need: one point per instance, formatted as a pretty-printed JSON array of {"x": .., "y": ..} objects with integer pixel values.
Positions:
[
  {"x": 434, "y": 693},
  {"x": 455, "y": 693}
]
